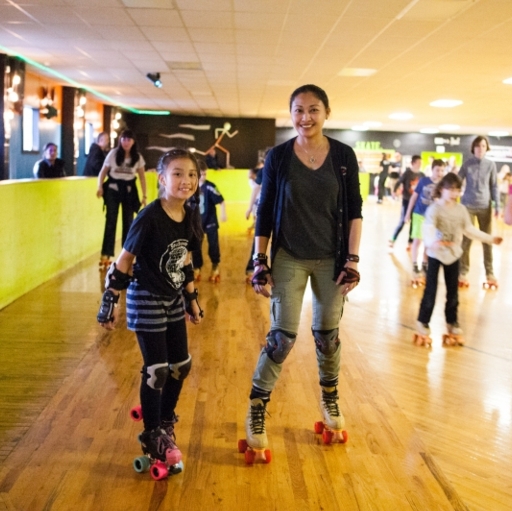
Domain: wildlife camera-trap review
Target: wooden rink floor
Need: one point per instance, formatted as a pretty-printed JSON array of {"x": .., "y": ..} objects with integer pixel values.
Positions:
[{"x": 428, "y": 429}]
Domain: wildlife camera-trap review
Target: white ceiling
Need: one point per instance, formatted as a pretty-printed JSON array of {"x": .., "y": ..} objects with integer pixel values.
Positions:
[{"x": 242, "y": 58}]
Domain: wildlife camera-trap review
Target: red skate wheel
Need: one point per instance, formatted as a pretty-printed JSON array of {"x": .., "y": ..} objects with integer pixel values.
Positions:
[
  {"x": 268, "y": 456},
  {"x": 242, "y": 445},
  {"x": 327, "y": 436},
  {"x": 249, "y": 456},
  {"x": 319, "y": 427},
  {"x": 345, "y": 437},
  {"x": 136, "y": 413},
  {"x": 159, "y": 471}
]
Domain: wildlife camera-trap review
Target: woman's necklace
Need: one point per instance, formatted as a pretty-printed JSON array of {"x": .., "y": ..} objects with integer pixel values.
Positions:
[{"x": 312, "y": 157}]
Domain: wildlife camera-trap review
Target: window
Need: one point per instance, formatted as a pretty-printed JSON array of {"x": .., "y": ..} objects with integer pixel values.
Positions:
[
  {"x": 89, "y": 136},
  {"x": 30, "y": 129}
]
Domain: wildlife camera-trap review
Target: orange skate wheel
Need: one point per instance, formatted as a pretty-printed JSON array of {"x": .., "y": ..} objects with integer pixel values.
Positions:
[
  {"x": 242, "y": 445},
  {"x": 327, "y": 436},
  {"x": 341, "y": 436},
  {"x": 249, "y": 456},
  {"x": 319, "y": 427},
  {"x": 268, "y": 456}
]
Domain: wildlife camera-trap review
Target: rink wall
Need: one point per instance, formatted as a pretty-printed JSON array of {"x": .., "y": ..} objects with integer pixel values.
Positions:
[{"x": 49, "y": 225}]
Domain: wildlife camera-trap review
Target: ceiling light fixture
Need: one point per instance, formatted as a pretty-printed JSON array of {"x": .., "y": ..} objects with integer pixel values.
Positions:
[
  {"x": 401, "y": 116},
  {"x": 359, "y": 127},
  {"x": 154, "y": 78},
  {"x": 508, "y": 81},
  {"x": 429, "y": 131},
  {"x": 498, "y": 133},
  {"x": 446, "y": 103}
]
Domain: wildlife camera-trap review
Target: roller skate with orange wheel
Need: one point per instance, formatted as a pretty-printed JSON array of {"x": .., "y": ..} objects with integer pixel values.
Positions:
[
  {"x": 255, "y": 445},
  {"x": 453, "y": 335},
  {"x": 463, "y": 282},
  {"x": 161, "y": 456},
  {"x": 215, "y": 275},
  {"x": 491, "y": 283},
  {"x": 422, "y": 335},
  {"x": 197, "y": 274},
  {"x": 331, "y": 428},
  {"x": 418, "y": 278},
  {"x": 104, "y": 263}
]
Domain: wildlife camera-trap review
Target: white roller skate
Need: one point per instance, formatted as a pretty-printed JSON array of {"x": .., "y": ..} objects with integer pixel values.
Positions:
[
  {"x": 422, "y": 335},
  {"x": 418, "y": 278},
  {"x": 453, "y": 337},
  {"x": 490, "y": 282},
  {"x": 331, "y": 427},
  {"x": 254, "y": 446}
]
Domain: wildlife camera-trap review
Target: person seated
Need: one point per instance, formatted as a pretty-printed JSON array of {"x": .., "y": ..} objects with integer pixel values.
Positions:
[{"x": 49, "y": 166}]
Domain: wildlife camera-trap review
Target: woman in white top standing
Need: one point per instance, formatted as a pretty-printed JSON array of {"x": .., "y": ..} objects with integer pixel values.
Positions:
[{"x": 121, "y": 167}]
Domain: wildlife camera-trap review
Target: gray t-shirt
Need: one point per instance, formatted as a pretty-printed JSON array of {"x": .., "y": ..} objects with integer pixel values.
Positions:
[{"x": 308, "y": 227}]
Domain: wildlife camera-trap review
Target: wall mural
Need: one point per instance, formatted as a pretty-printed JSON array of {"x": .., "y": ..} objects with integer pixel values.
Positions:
[{"x": 219, "y": 135}]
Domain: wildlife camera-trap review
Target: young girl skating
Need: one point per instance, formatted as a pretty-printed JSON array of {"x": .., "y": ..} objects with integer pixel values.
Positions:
[
  {"x": 446, "y": 221},
  {"x": 161, "y": 289}
]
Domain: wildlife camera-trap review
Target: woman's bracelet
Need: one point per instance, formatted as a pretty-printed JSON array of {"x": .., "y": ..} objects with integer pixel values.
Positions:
[{"x": 353, "y": 258}]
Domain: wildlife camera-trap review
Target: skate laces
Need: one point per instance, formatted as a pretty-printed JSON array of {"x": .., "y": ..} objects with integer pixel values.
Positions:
[
  {"x": 162, "y": 441},
  {"x": 257, "y": 423},
  {"x": 330, "y": 400}
]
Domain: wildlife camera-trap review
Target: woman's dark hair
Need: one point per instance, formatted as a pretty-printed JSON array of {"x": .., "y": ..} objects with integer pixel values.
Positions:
[
  {"x": 134, "y": 152},
  {"x": 448, "y": 181},
  {"x": 194, "y": 215},
  {"x": 313, "y": 89},
  {"x": 477, "y": 142},
  {"x": 48, "y": 145}
]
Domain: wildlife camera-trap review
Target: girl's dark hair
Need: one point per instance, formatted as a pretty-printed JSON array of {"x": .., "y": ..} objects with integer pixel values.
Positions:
[
  {"x": 448, "y": 181},
  {"x": 315, "y": 90},
  {"x": 193, "y": 214},
  {"x": 134, "y": 152}
]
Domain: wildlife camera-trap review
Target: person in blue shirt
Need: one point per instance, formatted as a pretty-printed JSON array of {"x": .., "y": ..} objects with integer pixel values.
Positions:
[
  {"x": 421, "y": 199},
  {"x": 210, "y": 197}
]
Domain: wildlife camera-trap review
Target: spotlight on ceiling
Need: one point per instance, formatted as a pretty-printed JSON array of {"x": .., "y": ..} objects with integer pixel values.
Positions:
[{"x": 154, "y": 78}]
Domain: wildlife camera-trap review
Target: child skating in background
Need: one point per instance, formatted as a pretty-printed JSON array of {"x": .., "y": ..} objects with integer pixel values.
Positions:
[
  {"x": 209, "y": 198},
  {"x": 446, "y": 221},
  {"x": 159, "y": 294},
  {"x": 420, "y": 201}
]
